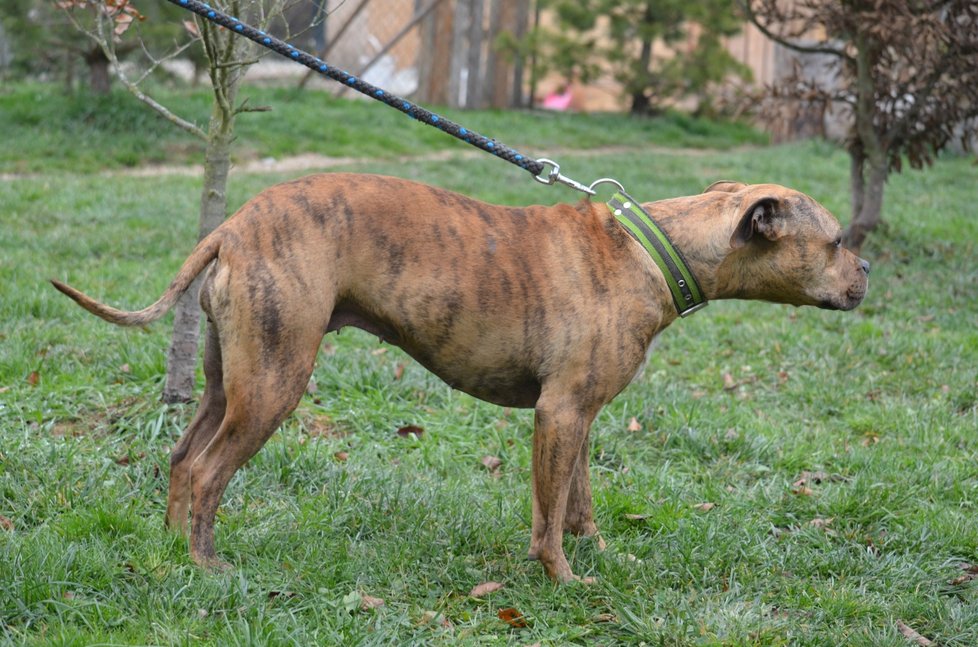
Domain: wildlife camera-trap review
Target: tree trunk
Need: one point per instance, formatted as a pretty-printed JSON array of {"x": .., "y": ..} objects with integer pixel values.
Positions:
[
  {"x": 641, "y": 105},
  {"x": 473, "y": 95},
  {"x": 457, "y": 61},
  {"x": 871, "y": 210},
  {"x": 522, "y": 17},
  {"x": 869, "y": 164},
  {"x": 434, "y": 64},
  {"x": 99, "y": 80},
  {"x": 181, "y": 362},
  {"x": 499, "y": 66},
  {"x": 225, "y": 78}
]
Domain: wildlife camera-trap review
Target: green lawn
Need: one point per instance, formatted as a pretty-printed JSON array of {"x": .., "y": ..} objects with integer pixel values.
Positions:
[
  {"x": 878, "y": 405},
  {"x": 45, "y": 130}
]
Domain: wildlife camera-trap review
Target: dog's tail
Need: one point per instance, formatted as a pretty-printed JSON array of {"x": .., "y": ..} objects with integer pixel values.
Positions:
[{"x": 203, "y": 254}]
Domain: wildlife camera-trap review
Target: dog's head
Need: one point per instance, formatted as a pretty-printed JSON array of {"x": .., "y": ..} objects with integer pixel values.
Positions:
[{"x": 787, "y": 248}]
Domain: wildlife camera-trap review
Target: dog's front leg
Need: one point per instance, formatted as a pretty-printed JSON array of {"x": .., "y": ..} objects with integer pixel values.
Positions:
[
  {"x": 560, "y": 432},
  {"x": 579, "y": 518}
]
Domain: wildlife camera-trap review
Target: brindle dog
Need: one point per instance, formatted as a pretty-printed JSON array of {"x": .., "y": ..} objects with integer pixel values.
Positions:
[{"x": 549, "y": 307}]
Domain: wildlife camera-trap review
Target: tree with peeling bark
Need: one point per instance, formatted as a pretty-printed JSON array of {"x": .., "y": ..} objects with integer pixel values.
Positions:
[
  {"x": 906, "y": 71},
  {"x": 228, "y": 58}
]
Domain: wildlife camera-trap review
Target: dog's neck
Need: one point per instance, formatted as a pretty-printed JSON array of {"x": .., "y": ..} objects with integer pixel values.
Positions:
[{"x": 702, "y": 236}]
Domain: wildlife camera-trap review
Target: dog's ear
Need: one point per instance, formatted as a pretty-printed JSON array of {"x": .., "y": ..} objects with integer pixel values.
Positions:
[
  {"x": 761, "y": 218},
  {"x": 725, "y": 186}
]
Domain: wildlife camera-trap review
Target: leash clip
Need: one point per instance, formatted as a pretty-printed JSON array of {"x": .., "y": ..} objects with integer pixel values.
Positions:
[{"x": 555, "y": 176}]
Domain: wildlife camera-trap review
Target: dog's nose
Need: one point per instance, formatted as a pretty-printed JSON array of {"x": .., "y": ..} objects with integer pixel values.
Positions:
[{"x": 864, "y": 264}]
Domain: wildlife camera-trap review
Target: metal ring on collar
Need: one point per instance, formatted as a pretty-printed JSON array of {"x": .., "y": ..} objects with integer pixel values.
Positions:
[{"x": 606, "y": 180}]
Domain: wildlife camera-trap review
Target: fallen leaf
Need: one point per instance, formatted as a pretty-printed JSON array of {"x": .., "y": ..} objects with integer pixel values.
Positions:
[
  {"x": 34, "y": 378},
  {"x": 636, "y": 517},
  {"x": 819, "y": 522},
  {"x": 963, "y": 579},
  {"x": 68, "y": 595},
  {"x": 912, "y": 635},
  {"x": 815, "y": 478},
  {"x": 341, "y": 456},
  {"x": 480, "y": 590},
  {"x": 202, "y": 613},
  {"x": 433, "y": 617},
  {"x": 125, "y": 368},
  {"x": 369, "y": 602},
  {"x": 783, "y": 378},
  {"x": 731, "y": 435},
  {"x": 870, "y": 439},
  {"x": 705, "y": 507},
  {"x": 634, "y": 424},
  {"x": 492, "y": 463},
  {"x": 311, "y": 388},
  {"x": 378, "y": 351},
  {"x": 729, "y": 384},
  {"x": 398, "y": 371},
  {"x": 5, "y": 523},
  {"x": 4, "y": 389},
  {"x": 605, "y": 617},
  {"x": 407, "y": 430},
  {"x": 512, "y": 617},
  {"x": 802, "y": 491}
]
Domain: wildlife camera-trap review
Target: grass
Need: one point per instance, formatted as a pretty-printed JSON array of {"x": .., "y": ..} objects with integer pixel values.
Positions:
[
  {"x": 881, "y": 402},
  {"x": 87, "y": 134}
]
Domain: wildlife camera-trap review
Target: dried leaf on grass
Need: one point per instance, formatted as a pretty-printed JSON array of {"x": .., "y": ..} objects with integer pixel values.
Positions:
[
  {"x": 341, "y": 456},
  {"x": 408, "y": 430},
  {"x": 492, "y": 463},
  {"x": 34, "y": 378},
  {"x": 970, "y": 573},
  {"x": 433, "y": 617},
  {"x": 912, "y": 635},
  {"x": 5, "y": 523},
  {"x": 369, "y": 602},
  {"x": 729, "y": 383},
  {"x": 635, "y": 517},
  {"x": 705, "y": 507},
  {"x": 480, "y": 590},
  {"x": 634, "y": 424},
  {"x": 512, "y": 617}
]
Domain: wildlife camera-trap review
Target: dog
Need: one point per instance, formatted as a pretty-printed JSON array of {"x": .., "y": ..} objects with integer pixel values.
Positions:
[{"x": 543, "y": 307}]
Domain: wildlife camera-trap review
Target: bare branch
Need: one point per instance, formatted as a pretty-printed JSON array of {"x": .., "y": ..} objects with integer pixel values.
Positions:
[
  {"x": 798, "y": 47},
  {"x": 107, "y": 45}
]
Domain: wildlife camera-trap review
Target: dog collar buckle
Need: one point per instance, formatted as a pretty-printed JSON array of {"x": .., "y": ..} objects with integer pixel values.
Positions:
[{"x": 686, "y": 292}]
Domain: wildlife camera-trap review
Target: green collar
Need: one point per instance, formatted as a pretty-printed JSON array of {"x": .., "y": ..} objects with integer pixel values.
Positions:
[{"x": 685, "y": 290}]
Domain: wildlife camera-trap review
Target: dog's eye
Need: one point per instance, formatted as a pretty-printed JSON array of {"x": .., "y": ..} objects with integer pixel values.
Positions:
[{"x": 837, "y": 242}]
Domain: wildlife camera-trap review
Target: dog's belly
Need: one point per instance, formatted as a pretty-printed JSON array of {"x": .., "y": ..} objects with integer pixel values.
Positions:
[{"x": 499, "y": 378}]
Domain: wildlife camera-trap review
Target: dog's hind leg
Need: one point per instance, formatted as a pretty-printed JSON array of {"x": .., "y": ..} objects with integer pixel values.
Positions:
[
  {"x": 208, "y": 418},
  {"x": 266, "y": 371}
]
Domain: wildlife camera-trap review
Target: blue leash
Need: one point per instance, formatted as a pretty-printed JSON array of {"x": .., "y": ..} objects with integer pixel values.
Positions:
[{"x": 413, "y": 110}]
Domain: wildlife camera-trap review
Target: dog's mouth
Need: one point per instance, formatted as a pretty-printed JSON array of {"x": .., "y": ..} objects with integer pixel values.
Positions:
[{"x": 848, "y": 301}]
